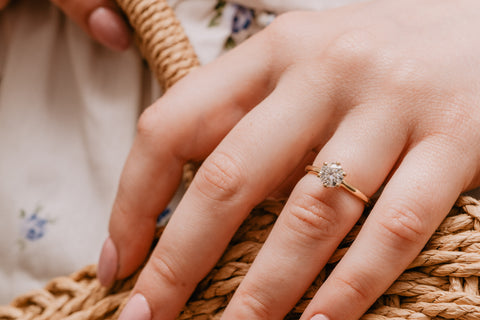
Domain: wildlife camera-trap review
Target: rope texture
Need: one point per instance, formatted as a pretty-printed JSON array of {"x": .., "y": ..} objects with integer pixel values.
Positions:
[
  {"x": 161, "y": 39},
  {"x": 441, "y": 283}
]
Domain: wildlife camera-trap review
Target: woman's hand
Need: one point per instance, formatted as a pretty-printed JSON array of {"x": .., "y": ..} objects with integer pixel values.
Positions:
[
  {"x": 101, "y": 19},
  {"x": 390, "y": 89}
]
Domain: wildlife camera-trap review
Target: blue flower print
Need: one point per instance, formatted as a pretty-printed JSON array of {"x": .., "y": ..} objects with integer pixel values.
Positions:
[
  {"x": 242, "y": 19},
  {"x": 163, "y": 217},
  {"x": 33, "y": 226}
]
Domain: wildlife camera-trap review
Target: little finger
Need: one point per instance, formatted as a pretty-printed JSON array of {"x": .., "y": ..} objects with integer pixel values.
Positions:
[{"x": 412, "y": 205}]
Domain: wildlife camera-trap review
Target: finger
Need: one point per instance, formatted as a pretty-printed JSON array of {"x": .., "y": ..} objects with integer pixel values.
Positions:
[
  {"x": 243, "y": 169},
  {"x": 3, "y": 3},
  {"x": 413, "y": 204},
  {"x": 283, "y": 191},
  {"x": 101, "y": 19},
  {"x": 316, "y": 219},
  {"x": 177, "y": 128}
]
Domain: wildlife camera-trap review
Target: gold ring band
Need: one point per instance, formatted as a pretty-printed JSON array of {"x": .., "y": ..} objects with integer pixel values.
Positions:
[{"x": 332, "y": 175}]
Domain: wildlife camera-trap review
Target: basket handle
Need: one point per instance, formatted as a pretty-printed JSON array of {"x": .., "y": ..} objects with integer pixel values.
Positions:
[
  {"x": 164, "y": 45},
  {"x": 161, "y": 39}
]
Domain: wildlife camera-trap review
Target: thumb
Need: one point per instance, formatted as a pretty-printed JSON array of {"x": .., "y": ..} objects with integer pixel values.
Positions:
[
  {"x": 3, "y": 3},
  {"x": 101, "y": 19}
]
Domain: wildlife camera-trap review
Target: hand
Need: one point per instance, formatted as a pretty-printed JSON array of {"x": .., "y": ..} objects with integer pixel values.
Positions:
[
  {"x": 387, "y": 88},
  {"x": 3, "y": 3},
  {"x": 101, "y": 19}
]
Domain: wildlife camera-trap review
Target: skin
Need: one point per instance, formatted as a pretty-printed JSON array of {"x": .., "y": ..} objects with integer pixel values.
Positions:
[
  {"x": 101, "y": 19},
  {"x": 388, "y": 88}
]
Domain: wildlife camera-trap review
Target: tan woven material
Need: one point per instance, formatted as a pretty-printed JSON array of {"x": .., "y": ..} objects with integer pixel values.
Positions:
[
  {"x": 164, "y": 45},
  {"x": 442, "y": 282},
  {"x": 161, "y": 39}
]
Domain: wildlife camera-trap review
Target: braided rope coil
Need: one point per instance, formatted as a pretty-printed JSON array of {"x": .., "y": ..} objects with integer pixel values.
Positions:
[
  {"x": 441, "y": 283},
  {"x": 161, "y": 39}
]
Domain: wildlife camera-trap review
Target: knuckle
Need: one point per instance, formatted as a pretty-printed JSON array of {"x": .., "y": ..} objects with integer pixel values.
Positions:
[
  {"x": 351, "y": 50},
  {"x": 311, "y": 216},
  {"x": 149, "y": 122},
  {"x": 282, "y": 40},
  {"x": 285, "y": 25},
  {"x": 455, "y": 123},
  {"x": 402, "y": 225},
  {"x": 166, "y": 271},
  {"x": 220, "y": 178},
  {"x": 356, "y": 289},
  {"x": 407, "y": 80},
  {"x": 252, "y": 305},
  {"x": 156, "y": 122}
]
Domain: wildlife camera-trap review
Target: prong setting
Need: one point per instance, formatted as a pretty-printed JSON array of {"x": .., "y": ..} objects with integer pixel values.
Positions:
[{"x": 331, "y": 174}]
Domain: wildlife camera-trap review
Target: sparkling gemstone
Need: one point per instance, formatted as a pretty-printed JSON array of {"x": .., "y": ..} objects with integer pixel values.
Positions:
[{"x": 331, "y": 174}]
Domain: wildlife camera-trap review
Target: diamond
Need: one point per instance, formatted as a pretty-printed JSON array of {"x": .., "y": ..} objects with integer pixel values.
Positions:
[{"x": 331, "y": 174}]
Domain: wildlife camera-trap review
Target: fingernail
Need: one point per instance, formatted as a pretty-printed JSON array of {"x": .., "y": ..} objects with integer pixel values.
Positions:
[
  {"x": 136, "y": 309},
  {"x": 107, "y": 265},
  {"x": 319, "y": 317},
  {"x": 109, "y": 28}
]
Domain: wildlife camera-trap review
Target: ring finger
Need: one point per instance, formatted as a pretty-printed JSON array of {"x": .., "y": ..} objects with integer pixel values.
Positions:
[
  {"x": 253, "y": 159},
  {"x": 316, "y": 219}
]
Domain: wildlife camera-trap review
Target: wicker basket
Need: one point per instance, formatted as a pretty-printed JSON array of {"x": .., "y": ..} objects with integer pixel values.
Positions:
[{"x": 442, "y": 282}]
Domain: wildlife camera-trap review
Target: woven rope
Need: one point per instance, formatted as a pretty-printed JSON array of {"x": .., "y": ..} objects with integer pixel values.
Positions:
[
  {"x": 441, "y": 283},
  {"x": 161, "y": 39}
]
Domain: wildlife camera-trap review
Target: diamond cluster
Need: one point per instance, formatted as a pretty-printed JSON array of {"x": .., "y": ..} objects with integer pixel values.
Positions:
[{"x": 331, "y": 174}]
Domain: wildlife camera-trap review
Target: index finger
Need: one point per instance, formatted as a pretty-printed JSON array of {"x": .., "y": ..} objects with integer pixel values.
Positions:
[{"x": 177, "y": 128}]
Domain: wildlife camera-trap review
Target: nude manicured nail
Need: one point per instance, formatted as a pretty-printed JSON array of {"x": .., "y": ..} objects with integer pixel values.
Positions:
[
  {"x": 136, "y": 309},
  {"x": 107, "y": 265},
  {"x": 319, "y": 317},
  {"x": 109, "y": 28}
]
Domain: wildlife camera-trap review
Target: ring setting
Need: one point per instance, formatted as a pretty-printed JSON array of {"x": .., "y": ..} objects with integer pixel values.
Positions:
[{"x": 332, "y": 175}]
